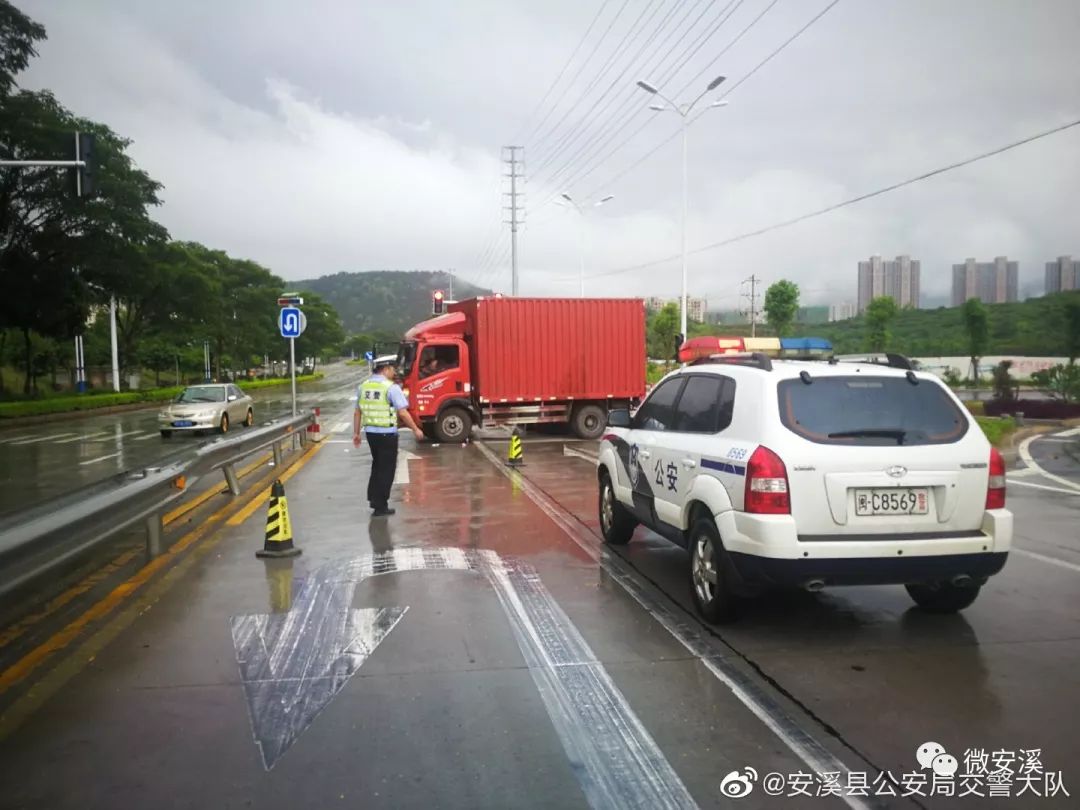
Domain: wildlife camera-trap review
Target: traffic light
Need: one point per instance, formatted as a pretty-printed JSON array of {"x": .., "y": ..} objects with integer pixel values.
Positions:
[
  {"x": 85, "y": 177},
  {"x": 437, "y": 302}
]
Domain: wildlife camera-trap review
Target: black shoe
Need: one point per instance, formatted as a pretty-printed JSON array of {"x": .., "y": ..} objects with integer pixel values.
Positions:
[{"x": 383, "y": 512}]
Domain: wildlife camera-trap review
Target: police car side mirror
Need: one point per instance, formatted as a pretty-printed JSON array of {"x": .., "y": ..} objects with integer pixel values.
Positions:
[{"x": 618, "y": 418}]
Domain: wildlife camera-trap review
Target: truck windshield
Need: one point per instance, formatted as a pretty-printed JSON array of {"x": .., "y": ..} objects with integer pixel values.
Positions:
[
  {"x": 406, "y": 358},
  {"x": 868, "y": 410}
]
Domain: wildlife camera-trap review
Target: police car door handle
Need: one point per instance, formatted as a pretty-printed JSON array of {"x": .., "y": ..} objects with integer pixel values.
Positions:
[
  {"x": 642, "y": 453},
  {"x": 689, "y": 463}
]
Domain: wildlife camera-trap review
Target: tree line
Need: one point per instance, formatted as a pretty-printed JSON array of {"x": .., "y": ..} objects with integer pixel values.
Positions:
[{"x": 63, "y": 257}]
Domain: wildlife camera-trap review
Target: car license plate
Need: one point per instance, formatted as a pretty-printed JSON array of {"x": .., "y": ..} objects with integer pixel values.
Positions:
[
  {"x": 183, "y": 423},
  {"x": 892, "y": 501}
]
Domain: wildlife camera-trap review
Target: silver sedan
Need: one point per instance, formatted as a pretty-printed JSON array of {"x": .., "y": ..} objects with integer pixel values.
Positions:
[{"x": 216, "y": 406}]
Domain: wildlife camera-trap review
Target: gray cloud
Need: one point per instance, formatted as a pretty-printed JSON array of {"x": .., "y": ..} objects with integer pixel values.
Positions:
[{"x": 330, "y": 135}]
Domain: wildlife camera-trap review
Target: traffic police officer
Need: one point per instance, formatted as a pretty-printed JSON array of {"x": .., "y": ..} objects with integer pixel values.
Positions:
[{"x": 380, "y": 402}]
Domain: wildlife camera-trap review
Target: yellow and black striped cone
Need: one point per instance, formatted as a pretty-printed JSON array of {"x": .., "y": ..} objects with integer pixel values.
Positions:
[
  {"x": 279, "y": 540},
  {"x": 515, "y": 457}
]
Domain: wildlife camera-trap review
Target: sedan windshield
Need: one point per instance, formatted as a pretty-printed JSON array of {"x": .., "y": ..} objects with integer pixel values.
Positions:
[{"x": 202, "y": 393}]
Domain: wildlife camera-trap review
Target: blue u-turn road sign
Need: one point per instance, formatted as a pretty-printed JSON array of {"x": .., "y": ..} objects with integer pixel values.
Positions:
[{"x": 292, "y": 322}]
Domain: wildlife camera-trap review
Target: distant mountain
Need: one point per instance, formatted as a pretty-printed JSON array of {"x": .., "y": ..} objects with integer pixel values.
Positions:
[{"x": 384, "y": 300}]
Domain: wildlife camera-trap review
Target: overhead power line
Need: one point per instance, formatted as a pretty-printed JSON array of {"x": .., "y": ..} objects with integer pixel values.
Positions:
[
  {"x": 851, "y": 201},
  {"x": 607, "y": 183},
  {"x": 562, "y": 72}
]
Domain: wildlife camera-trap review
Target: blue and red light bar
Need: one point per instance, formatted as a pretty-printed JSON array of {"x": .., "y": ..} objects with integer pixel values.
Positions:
[{"x": 790, "y": 348}]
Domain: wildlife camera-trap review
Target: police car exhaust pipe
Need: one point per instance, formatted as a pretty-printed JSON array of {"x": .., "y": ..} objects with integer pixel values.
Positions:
[{"x": 814, "y": 585}]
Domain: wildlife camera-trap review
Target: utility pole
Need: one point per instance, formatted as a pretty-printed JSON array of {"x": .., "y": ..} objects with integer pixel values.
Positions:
[
  {"x": 752, "y": 296},
  {"x": 451, "y": 285},
  {"x": 513, "y": 156}
]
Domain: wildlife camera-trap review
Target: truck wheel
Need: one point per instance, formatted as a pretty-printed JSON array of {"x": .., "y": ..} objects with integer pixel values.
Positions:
[
  {"x": 453, "y": 425},
  {"x": 942, "y": 597},
  {"x": 710, "y": 573},
  {"x": 589, "y": 422},
  {"x": 616, "y": 524}
]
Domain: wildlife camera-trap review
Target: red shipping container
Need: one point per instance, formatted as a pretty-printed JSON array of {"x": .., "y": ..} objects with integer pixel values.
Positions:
[{"x": 528, "y": 349}]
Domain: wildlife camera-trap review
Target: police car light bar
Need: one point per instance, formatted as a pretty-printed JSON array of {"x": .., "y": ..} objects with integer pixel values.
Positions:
[{"x": 807, "y": 348}]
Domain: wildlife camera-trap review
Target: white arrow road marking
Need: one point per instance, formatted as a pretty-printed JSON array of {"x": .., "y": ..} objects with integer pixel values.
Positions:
[
  {"x": 401, "y": 472},
  {"x": 1062, "y": 490},
  {"x": 1025, "y": 454},
  {"x": 575, "y": 453},
  {"x": 293, "y": 664}
]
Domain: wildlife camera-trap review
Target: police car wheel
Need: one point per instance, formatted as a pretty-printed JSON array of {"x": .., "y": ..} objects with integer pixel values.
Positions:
[
  {"x": 616, "y": 523},
  {"x": 710, "y": 574},
  {"x": 942, "y": 597}
]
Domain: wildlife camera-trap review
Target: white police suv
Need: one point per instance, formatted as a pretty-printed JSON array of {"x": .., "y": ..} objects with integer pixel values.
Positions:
[{"x": 809, "y": 473}]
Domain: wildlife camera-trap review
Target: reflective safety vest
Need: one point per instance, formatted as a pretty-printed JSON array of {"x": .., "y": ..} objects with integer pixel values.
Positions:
[{"x": 375, "y": 406}]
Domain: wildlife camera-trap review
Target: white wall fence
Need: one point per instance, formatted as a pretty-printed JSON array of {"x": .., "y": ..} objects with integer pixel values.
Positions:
[{"x": 1022, "y": 367}]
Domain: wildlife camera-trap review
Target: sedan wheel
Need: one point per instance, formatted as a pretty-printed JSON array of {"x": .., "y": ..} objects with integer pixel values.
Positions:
[
  {"x": 224, "y": 426},
  {"x": 249, "y": 420}
]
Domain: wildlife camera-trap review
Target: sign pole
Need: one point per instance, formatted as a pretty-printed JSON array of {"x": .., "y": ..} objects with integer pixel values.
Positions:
[{"x": 292, "y": 369}]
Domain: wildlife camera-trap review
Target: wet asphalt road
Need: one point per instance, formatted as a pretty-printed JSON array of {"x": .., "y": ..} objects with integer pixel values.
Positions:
[
  {"x": 482, "y": 649},
  {"x": 42, "y": 461}
]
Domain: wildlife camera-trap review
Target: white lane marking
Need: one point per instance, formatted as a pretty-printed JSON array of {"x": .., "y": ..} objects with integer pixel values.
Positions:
[
  {"x": 1025, "y": 454},
  {"x": 1054, "y": 440},
  {"x": 749, "y": 693},
  {"x": 86, "y": 437},
  {"x": 1043, "y": 486},
  {"x": 574, "y": 453},
  {"x": 341, "y": 427},
  {"x": 1044, "y": 558},
  {"x": 1065, "y": 433},
  {"x": 616, "y": 761},
  {"x": 17, "y": 438},
  {"x": 150, "y": 435},
  {"x": 37, "y": 439},
  {"x": 100, "y": 458},
  {"x": 401, "y": 472}
]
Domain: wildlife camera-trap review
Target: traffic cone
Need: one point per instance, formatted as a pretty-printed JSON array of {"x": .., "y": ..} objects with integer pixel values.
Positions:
[
  {"x": 279, "y": 540},
  {"x": 515, "y": 457}
]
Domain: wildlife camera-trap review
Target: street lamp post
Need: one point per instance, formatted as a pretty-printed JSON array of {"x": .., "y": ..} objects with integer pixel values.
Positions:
[
  {"x": 581, "y": 236},
  {"x": 684, "y": 112}
]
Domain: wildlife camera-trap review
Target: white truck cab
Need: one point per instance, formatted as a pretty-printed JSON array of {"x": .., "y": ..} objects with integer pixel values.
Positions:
[{"x": 809, "y": 473}]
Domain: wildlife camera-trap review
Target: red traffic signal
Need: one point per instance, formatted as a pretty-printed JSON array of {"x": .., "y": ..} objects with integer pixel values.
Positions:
[{"x": 437, "y": 301}]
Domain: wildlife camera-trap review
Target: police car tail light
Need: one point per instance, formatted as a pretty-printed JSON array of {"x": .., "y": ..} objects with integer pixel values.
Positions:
[
  {"x": 995, "y": 487},
  {"x": 766, "y": 484}
]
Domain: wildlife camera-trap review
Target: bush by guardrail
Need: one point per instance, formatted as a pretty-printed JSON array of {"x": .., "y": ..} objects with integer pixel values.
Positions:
[{"x": 996, "y": 429}]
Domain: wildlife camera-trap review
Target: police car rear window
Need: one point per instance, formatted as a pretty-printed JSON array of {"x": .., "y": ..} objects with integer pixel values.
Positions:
[{"x": 865, "y": 410}]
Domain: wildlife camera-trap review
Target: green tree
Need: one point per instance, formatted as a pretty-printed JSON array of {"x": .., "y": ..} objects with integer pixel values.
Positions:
[
  {"x": 977, "y": 329},
  {"x": 880, "y": 313},
  {"x": 18, "y": 33},
  {"x": 58, "y": 253},
  {"x": 662, "y": 328},
  {"x": 781, "y": 306},
  {"x": 324, "y": 333},
  {"x": 1072, "y": 330}
]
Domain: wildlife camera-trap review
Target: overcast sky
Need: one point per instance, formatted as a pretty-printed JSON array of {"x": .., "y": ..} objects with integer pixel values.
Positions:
[{"x": 332, "y": 135}]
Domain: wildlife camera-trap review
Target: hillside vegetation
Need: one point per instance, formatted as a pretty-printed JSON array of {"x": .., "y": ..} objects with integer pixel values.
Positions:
[
  {"x": 384, "y": 300},
  {"x": 1035, "y": 327}
]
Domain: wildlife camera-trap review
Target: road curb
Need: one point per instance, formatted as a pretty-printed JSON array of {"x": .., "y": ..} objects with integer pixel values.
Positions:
[{"x": 1011, "y": 453}]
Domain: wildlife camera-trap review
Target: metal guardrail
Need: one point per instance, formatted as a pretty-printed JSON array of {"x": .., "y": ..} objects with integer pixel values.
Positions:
[{"x": 39, "y": 539}]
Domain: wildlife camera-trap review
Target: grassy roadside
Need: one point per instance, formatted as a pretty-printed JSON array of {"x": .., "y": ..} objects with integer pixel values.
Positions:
[
  {"x": 87, "y": 402},
  {"x": 997, "y": 429}
]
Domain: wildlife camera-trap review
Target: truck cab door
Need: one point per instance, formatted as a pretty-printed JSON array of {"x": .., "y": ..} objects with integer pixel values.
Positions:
[{"x": 442, "y": 373}]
